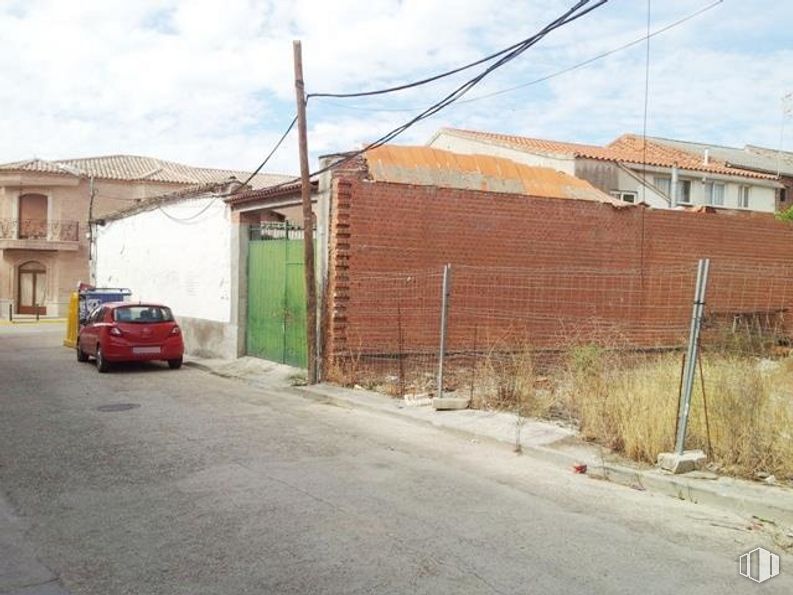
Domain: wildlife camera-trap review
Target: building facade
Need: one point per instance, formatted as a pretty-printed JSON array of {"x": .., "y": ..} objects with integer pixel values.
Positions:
[{"x": 45, "y": 207}]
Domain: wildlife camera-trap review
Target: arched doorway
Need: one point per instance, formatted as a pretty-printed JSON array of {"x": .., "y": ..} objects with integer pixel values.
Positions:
[{"x": 31, "y": 288}]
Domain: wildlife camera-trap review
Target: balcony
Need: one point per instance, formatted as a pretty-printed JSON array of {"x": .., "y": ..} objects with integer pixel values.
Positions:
[{"x": 33, "y": 234}]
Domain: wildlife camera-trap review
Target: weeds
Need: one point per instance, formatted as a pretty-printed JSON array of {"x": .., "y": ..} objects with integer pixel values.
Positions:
[{"x": 633, "y": 409}]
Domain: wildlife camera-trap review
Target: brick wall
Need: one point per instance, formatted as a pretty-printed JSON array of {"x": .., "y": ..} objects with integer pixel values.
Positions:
[{"x": 534, "y": 265}]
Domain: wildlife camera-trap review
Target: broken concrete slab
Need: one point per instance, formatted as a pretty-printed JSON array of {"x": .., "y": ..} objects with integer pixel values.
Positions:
[
  {"x": 688, "y": 460},
  {"x": 450, "y": 403}
]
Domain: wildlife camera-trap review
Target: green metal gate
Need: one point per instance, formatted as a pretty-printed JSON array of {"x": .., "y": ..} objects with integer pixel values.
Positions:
[{"x": 276, "y": 327}]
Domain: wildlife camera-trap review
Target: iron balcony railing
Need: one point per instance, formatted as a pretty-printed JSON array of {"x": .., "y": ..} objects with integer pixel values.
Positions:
[
  {"x": 36, "y": 229},
  {"x": 275, "y": 230}
]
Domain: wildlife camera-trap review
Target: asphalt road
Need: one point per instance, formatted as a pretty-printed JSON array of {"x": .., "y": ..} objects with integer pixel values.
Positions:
[{"x": 211, "y": 486}]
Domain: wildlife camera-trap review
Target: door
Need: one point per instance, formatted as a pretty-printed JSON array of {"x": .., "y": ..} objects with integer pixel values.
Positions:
[
  {"x": 276, "y": 328},
  {"x": 32, "y": 288},
  {"x": 32, "y": 217}
]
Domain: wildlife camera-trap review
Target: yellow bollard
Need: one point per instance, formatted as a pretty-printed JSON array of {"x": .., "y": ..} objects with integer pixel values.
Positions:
[{"x": 73, "y": 322}]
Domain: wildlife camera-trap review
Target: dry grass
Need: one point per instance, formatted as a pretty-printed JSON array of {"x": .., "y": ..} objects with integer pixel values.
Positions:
[{"x": 632, "y": 408}]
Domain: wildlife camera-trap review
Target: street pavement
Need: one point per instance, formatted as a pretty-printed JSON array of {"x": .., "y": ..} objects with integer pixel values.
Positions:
[{"x": 212, "y": 485}]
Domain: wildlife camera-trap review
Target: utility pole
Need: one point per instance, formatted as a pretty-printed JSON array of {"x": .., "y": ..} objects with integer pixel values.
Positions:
[
  {"x": 91, "y": 263},
  {"x": 308, "y": 217}
]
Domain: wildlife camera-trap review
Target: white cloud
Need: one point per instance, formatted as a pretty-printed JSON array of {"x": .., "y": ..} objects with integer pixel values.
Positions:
[{"x": 209, "y": 82}]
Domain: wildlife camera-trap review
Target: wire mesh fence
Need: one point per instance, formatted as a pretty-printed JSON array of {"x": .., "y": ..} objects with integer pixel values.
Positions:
[{"x": 601, "y": 349}]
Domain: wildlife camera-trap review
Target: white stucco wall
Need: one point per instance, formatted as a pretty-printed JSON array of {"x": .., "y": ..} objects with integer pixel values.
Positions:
[
  {"x": 180, "y": 255},
  {"x": 173, "y": 255},
  {"x": 466, "y": 146},
  {"x": 762, "y": 196}
]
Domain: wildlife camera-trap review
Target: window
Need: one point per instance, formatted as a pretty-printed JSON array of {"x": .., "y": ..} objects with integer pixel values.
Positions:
[
  {"x": 684, "y": 191},
  {"x": 625, "y": 195},
  {"x": 32, "y": 217},
  {"x": 714, "y": 194},
  {"x": 664, "y": 184},
  {"x": 743, "y": 197},
  {"x": 143, "y": 314}
]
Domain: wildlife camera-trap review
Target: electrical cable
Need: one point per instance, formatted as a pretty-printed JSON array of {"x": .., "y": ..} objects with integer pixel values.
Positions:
[
  {"x": 266, "y": 159},
  {"x": 569, "y": 16},
  {"x": 555, "y": 74},
  {"x": 646, "y": 105},
  {"x": 191, "y": 217},
  {"x": 422, "y": 81}
]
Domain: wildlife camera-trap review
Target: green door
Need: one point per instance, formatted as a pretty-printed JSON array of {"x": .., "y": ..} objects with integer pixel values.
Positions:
[{"x": 276, "y": 328}]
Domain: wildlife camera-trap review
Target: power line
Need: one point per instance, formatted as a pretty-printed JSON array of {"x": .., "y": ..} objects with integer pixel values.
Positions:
[
  {"x": 424, "y": 81},
  {"x": 266, "y": 159},
  {"x": 569, "y": 16},
  {"x": 646, "y": 104},
  {"x": 557, "y": 73},
  {"x": 191, "y": 217}
]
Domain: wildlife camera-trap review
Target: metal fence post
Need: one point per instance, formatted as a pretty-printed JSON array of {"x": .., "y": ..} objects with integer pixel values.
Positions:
[
  {"x": 691, "y": 357},
  {"x": 447, "y": 273}
]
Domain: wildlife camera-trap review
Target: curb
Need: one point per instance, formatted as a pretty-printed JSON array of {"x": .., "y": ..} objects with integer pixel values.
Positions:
[
  {"x": 708, "y": 492},
  {"x": 717, "y": 493},
  {"x": 28, "y": 322}
]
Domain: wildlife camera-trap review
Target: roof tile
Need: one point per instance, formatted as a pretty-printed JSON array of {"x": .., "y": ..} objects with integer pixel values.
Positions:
[
  {"x": 436, "y": 167},
  {"x": 134, "y": 168},
  {"x": 628, "y": 148}
]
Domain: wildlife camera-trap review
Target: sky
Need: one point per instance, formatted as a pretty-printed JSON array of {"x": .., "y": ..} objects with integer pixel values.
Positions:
[{"x": 211, "y": 82}]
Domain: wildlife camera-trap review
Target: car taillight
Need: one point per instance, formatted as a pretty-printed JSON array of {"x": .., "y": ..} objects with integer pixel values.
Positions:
[
  {"x": 114, "y": 330},
  {"x": 175, "y": 330}
]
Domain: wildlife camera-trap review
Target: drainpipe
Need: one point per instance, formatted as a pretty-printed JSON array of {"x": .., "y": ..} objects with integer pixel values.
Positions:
[{"x": 673, "y": 188}]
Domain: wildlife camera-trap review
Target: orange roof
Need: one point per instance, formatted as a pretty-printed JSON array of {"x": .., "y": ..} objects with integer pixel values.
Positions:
[
  {"x": 436, "y": 167},
  {"x": 628, "y": 148}
]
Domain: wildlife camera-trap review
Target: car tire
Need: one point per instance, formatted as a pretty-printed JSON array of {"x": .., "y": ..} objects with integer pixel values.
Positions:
[
  {"x": 102, "y": 365},
  {"x": 82, "y": 356},
  {"x": 175, "y": 364}
]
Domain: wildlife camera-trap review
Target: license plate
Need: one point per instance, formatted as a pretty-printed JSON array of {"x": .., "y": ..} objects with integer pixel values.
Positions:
[{"x": 145, "y": 350}]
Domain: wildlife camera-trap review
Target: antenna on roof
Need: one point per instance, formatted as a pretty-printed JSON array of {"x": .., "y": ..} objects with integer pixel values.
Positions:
[{"x": 787, "y": 110}]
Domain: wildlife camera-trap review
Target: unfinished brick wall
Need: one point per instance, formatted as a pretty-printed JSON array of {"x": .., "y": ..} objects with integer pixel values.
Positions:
[{"x": 590, "y": 264}]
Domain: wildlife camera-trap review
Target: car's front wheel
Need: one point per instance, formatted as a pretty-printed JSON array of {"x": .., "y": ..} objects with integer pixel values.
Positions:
[
  {"x": 102, "y": 365},
  {"x": 175, "y": 364}
]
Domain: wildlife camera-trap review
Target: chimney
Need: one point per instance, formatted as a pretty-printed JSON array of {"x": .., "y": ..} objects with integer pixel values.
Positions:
[{"x": 706, "y": 160}]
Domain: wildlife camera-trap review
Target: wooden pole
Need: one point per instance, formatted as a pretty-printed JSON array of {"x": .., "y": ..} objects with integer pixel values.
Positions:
[{"x": 308, "y": 217}]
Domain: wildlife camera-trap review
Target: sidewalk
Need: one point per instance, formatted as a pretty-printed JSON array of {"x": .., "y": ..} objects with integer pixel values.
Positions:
[
  {"x": 545, "y": 440},
  {"x": 28, "y": 319}
]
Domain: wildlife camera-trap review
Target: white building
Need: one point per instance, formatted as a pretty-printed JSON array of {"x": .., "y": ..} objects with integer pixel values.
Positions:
[{"x": 658, "y": 174}]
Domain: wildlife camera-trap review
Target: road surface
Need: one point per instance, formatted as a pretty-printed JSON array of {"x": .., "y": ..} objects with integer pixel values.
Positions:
[{"x": 208, "y": 485}]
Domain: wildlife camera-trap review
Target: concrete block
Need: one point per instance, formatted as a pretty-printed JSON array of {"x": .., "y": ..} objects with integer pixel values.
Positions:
[
  {"x": 450, "y": 403},
  {"x": 689, "y": 460}
]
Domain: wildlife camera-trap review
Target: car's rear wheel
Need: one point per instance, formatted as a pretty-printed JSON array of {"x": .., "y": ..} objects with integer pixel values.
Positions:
[
  {"x": 82, "y": 356},
  {"x": 102, "y": 365},
  {"x": 175, "y": 364}
]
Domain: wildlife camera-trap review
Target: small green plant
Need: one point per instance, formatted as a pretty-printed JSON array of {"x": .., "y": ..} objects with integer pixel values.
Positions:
[{"x": 786, "y": 215}]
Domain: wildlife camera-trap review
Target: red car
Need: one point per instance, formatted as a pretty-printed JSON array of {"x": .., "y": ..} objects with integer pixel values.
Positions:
[{"x": 127, "y": 332}]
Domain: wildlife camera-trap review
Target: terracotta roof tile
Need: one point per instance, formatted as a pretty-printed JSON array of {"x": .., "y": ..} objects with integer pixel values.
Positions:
[
  {"x": 436, "y": 167},
  {"x": 628, "y": 148},
  {"x": 134, "y": 168}
]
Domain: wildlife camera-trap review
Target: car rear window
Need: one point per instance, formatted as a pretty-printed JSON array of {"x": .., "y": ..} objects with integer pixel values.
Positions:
[{"x": 143, "y": 314}]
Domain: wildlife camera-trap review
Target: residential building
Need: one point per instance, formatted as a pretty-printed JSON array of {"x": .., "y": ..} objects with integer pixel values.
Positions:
[
  {"x": 750, "y": 157},
  {"x": 190, "y": 249},
  {"x": 656, "y": 172},
  {"x": 45, "y": 207},
  {"x": 230, "y": 262}
]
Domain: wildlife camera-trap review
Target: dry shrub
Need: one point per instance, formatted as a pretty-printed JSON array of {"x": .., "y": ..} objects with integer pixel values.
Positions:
[
  {"x": 632, "y": 407},
  {"x": 509, "y": 382}
]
